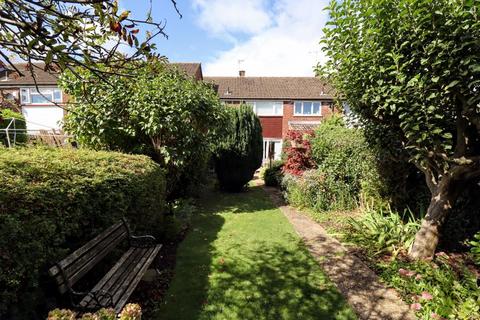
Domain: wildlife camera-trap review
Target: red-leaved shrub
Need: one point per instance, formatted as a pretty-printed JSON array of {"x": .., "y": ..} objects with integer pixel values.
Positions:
[{"x": 299, "y": 152}]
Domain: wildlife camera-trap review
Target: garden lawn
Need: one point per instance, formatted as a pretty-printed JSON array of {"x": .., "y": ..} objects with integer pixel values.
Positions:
[{"x": 243, "y": 260}]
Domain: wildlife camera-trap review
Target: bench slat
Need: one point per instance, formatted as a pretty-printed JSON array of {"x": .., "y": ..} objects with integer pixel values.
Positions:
[
  {"x": 122, "y": 279},
  {"x": 94, "y": 261},
  {"x": 117, "y": 235},
  {"x": 135, "y": 280},
  {"x": 112, "y": 276},
  {"x": 53, "y": 271}
]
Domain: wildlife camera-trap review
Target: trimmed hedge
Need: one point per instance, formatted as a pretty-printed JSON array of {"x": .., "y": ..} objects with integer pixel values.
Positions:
[{"x": 54, "y": 200}]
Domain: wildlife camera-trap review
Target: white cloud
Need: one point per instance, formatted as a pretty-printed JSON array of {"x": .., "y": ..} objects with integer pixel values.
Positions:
[
  {"x": 223, "y": 17},
  {"x": 288, "y": 47}
]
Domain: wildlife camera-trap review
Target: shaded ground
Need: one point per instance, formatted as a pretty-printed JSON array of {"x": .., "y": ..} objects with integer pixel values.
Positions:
[{"x": 243, "y": 260}]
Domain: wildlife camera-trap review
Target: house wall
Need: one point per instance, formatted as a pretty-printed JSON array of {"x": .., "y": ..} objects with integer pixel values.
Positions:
[
  {"x": 288, "y": 115},
  {"x": 271, "y": 127},
  {"x": 42, "y": 116}
]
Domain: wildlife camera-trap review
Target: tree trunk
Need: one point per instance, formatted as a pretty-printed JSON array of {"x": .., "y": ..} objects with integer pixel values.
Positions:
[{"x": 427, "y": 237}]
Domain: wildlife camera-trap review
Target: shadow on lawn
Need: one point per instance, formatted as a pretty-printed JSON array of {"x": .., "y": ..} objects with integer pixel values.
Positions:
[{"x": 266, "y": 280}]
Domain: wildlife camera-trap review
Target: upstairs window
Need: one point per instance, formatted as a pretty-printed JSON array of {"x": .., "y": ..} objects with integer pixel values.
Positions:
[
  {"x": 308, "y": 108},
  {"x": 44, "y": 96},
  {"x": 267, "y": 108}
]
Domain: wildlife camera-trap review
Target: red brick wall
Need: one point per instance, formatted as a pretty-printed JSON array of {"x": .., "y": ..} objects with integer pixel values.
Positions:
[
  {"x": 271, "y": 127},
  {"x": 288, "y": 110}
]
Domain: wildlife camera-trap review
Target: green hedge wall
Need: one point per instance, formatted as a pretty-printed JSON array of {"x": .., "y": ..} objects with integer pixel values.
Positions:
[{"x": 54, "y": 200}]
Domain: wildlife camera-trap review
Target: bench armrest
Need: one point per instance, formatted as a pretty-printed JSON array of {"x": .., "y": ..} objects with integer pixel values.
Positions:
[{"x": 142, "y": 241}]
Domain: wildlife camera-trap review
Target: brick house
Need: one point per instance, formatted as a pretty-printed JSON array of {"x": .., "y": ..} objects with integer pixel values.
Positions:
[
  {"x": 282, "y": 103},
  {"x": 21, "y": 94}
]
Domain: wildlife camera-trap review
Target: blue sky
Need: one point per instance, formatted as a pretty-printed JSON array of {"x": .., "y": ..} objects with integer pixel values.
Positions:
[{"x": 264, "y": 37}]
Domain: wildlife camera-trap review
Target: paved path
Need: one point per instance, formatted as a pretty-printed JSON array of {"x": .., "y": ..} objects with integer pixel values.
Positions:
[{"x": 360, "y": 286}]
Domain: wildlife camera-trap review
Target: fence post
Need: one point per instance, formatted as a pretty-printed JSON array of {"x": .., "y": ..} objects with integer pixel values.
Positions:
[{"x": 8, "y": 135}]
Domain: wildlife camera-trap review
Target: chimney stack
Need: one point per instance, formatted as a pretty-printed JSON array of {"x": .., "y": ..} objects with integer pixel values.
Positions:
[{"x": 241, "y": 73}]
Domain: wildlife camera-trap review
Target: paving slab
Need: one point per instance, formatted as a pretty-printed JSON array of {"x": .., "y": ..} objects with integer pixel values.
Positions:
[{"x": 362, "y": 288}]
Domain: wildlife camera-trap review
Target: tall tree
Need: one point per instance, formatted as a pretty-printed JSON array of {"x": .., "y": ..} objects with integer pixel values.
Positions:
[
  {"x": 412, "y": 67},
  {"x": 70, "y": 33}
]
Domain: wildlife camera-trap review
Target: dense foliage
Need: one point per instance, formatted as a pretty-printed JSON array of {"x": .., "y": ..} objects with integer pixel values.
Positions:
[
  {"x": 273, "y": 175},
  {"x": 298, "y": 152},
  {"x": 129, "y": 312},
  {"x": 411, "y": 71},
  {"x": 157, "y": 111},
  {"x": 345, "y": 172},
  {"x": 55, "y": 200},
  {"x": 440, "y": 289},
  {"x": 239, "y": 154},
  {"x": 16, "y": 137}
]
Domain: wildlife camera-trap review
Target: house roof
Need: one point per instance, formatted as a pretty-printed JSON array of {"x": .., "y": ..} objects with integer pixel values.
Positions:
[
  {"x": 46, "y": 78},
  {"x": 284, "y": 88},
  {"x": 192, "y": 69},
  {"x": 42, "y": 77}
]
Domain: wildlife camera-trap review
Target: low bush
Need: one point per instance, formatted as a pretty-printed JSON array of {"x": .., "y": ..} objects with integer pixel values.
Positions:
[
  {"x": 318, "y": 191},
  {"x": 19, "y": 137},
  {"x": 273, "y": 175},
  {"x": 129, "y": 312},
  {"x": 434, "y": 290},
  {"x": 54, "y": 200},
  {"x": 240, "y": 154},
  {"x": 384, "y": 231}
]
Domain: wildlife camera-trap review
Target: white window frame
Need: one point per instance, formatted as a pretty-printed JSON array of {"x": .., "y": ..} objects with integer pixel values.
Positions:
[
  {"x": 28, "y": 91},
  {"x": 319, "y": 114},
  {"x": 274, "y": 103}
]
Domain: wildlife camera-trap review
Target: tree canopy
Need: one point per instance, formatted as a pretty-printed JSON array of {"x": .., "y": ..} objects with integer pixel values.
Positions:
[
  {"x": 157, "y": 111},
  {"x": 411, "y": 69},
  {"x": 69, "y": 33}
]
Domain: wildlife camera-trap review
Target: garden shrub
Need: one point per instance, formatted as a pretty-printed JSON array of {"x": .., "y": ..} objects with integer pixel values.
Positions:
[
  {"x": 344, "y": 156},
  {"x": 345, "y": 173},
  {"x": 130, "y": 312},
  {"x": 54, "y": 200},
  {"x": 318, "y": 191},
  {"x": 239, "y": 155},
  {"x": 298, "y": 152},
  {"x": 5, "y": 117},
  {"x": 156, "y": 110},
  {"x": 273, "y": 175},
  {"x": 384, "y": 231}
]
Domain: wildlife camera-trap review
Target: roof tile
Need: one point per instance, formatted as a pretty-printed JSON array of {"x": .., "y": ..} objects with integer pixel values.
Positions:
[{"x": 271, "y": 88}]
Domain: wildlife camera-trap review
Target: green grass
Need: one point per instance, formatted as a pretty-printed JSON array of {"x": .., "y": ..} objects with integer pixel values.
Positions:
[{"x": 243, "y": 260}]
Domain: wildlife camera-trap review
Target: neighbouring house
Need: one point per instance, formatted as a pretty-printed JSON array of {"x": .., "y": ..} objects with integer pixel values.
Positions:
[
  {"x": 40, "y": 99},
  {"x": 282, "y": 104}
]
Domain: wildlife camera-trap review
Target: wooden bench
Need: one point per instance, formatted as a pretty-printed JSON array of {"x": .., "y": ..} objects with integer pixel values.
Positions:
[{"x": 117, "y": 285}]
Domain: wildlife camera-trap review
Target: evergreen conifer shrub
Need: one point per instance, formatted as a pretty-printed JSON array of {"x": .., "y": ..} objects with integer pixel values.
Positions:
[{"x": 240, "y": 153}]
